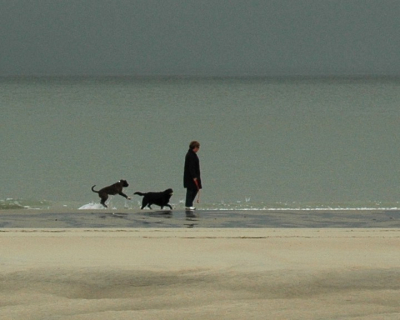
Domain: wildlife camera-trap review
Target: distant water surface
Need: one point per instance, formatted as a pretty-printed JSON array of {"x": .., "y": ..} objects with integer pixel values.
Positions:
[{"x": 265, "y": 143}]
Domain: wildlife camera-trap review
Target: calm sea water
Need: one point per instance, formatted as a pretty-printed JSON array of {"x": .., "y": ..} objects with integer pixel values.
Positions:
[{"x": 265, "y": 143}]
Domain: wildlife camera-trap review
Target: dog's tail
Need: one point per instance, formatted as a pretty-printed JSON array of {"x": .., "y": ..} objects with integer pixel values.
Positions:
[
  {"x": 94, "y": 190},
  {"x": 140, "y": 193}
]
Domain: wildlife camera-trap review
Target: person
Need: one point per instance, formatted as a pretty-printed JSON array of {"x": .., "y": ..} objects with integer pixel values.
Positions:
[{"x": 191, "y": 175}]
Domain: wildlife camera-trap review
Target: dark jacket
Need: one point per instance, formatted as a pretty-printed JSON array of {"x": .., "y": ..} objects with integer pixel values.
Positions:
[{"x": 192, "y": 170}]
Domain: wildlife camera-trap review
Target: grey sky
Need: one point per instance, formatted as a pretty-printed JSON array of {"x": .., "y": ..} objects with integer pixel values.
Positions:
[{"x": 200, "y": 37}]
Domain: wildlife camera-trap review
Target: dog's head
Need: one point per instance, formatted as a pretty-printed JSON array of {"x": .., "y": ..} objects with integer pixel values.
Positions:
[
  {"x": 124, "y": 183},
  {"x": 169, "y": 192}
]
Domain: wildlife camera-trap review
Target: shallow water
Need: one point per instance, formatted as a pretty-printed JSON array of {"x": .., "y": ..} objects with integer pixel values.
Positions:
[{"x": 106, "y": 219}]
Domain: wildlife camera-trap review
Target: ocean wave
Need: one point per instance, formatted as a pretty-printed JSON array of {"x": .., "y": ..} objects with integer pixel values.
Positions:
[
  {"x": 295, "y": 206},
  {"x": 91, "y": 206},
  {"x": 10, "y": 204}
]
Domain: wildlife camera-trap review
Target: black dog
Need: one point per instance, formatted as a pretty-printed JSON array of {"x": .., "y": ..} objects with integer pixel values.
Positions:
[
  {"x": 114, "y": 189},
  {"x": 159, "y": 198}
]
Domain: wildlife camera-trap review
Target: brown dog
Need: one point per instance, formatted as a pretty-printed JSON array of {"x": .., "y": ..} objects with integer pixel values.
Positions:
[{"x": 114, "y": 189}]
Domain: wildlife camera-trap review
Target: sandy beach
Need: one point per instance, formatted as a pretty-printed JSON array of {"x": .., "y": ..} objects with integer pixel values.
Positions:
[{"x": 204, "y": 273}]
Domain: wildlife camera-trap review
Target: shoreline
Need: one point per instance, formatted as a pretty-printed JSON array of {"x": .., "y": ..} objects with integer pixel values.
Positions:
[
  {"x": 126, "y": 218},
  {"x": 215, "y": 233}
]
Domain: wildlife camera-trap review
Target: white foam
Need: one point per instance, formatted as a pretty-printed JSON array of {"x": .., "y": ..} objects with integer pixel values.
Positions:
[{"x": 91, "y": 206}]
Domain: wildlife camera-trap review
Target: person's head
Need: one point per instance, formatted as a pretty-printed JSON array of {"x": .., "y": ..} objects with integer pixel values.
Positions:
[{"x": 194, "y": 145}]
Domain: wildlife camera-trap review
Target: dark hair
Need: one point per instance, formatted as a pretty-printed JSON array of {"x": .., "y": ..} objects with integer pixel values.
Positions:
[{"x": 194, "y": 144}]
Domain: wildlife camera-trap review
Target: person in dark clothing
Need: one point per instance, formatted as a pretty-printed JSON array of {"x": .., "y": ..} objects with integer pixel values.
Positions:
[{"x": 191, "y": 174}]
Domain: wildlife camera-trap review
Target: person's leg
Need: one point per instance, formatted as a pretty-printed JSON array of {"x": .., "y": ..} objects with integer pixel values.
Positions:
[{"x": 190, "y": 196}]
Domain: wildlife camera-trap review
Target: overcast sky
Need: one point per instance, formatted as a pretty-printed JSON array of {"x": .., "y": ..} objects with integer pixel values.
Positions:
[{"x": 200, "y": 37}]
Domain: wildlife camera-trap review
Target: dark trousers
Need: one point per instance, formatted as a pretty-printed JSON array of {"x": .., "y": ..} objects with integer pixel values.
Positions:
[{"x": 190, "y": 196}]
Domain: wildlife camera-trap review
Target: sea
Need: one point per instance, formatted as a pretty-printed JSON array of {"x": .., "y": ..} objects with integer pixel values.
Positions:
[{"x": 288, "y": 143}]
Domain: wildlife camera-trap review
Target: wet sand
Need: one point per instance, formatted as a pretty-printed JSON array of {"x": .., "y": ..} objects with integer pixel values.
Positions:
[
  {"x": 199, "y": 273},
  {"x": 66, "y": 218}
]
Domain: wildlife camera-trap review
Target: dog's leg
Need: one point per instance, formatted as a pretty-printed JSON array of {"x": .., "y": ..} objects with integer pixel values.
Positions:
[
  {"x": 104, "y": 198},
  {"x": 124, "y": 195},
  {"x": 144, "y": 203}
]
